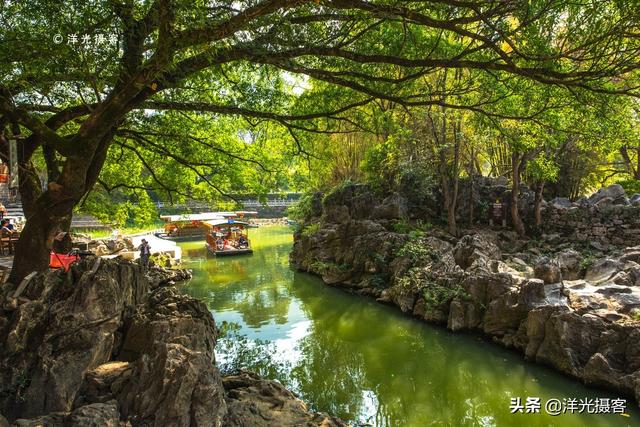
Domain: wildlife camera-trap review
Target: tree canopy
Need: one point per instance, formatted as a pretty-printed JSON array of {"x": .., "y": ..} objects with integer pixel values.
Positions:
[{"x": 197, "y": 83}]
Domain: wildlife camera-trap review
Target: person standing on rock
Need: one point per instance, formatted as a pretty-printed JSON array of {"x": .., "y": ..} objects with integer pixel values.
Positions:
[{"x": 145, "y": 253}]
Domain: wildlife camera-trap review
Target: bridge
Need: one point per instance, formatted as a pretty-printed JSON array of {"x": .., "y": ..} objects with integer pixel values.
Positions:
[{"x": 272, "y": 201}]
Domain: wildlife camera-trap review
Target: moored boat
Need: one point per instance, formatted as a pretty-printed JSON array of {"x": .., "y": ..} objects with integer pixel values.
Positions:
[
  {"x": 189, "y": 227},
  {"x": 228, "y": 237}
]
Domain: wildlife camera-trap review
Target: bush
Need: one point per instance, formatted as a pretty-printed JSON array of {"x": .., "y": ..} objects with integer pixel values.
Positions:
[
  {"x": 310, "y": 229},
  {"x": 414, "y": 229},
  {"x": 631, "y": 186},
  {"x": 302, "y": 209},
  {"x": 416, "y": 251}
]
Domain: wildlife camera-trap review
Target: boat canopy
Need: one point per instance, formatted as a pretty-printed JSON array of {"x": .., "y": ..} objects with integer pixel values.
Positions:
[
  {"x": 225, "y": 221},
  {"x": 205, "y": 216}
]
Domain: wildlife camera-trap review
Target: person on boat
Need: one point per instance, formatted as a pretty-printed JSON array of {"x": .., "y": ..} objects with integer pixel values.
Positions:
[
  {"x": 227, "y": 245},
  {"x": 242, "y": 242},
  {"x": 145, "y": 253},
  {"x": 219, "y": 244}
]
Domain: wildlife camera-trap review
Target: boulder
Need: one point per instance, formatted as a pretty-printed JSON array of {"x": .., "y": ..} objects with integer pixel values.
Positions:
[
  {"x": 602, "y": 270},
  {"x": 635, "y": 199},
  {"x": 172, "y": 385},
  {"x": 392, "y": 207},
  {"x": 613, "y": 194},
  {"x": 569, "y": 261},
  {"x": 254, "y": 402},
  {"x": 475, "y": 250},
  {"x": 561, "y": 203},
  {"x": 548, "y": 270}
]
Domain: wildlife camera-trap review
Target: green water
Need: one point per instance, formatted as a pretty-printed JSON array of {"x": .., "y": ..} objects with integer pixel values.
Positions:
[{"x": 363, "y": 361}]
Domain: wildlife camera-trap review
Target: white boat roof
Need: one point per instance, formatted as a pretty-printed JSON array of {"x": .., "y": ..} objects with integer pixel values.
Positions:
[
  {"x": 205, "y": 216},
  {"x": 225, "y": 221}
]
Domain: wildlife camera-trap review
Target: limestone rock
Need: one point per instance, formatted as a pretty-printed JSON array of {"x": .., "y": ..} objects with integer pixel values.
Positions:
[
  {"x": 475, "y": 251},
  {"x": 548, "y": 270},
  {"x": 253, "y": 402},
  {"x": 613, "y": 194},
  {"x": 172, "y": 385},
  {"x": 569, "y": 261},
  {"x": 561, "y": 203},
  {"x": 392, "y": 207}
]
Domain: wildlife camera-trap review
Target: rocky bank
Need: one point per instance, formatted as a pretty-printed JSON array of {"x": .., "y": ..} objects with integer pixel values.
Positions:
[
  {"x": 106, "y": 345},
  {"x": 568, "y": 303}
]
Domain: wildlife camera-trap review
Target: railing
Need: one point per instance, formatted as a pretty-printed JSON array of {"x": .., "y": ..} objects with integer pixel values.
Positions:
[{"x": 247, "y": 203}]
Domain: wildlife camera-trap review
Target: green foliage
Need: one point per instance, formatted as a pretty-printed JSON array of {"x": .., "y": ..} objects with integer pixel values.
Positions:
[
  {"x": 379, "y": 281},
  {"x": 417, "y": 251},
  {"x": 322, "y": 267},
  {"x": 588, "y": 258},
  {"x": 415, "y": 229},
  {"x": 631, "y": 186},
  {"x": 310, "y": 229},
  {"x": 435, "y": 295},
  {"x": 122, "y": 209},
  {"x": 302, "y": 210}
]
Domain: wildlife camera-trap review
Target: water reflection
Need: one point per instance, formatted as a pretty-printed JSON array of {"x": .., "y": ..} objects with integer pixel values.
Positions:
[{"x": 360, "y": 360}]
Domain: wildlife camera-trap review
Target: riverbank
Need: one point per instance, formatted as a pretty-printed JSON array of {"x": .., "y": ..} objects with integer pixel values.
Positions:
[
  {"x": 108, "y": 345},
  {"x": 562, "y": 304}
]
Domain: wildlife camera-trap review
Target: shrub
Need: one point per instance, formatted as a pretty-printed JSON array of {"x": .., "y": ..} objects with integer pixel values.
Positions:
[
  {"x": 310, "y": 229},
  {"x": 631, "y": 186},
  {"x": 414, "y": 229},
  {"x": 302, "y": 210}
]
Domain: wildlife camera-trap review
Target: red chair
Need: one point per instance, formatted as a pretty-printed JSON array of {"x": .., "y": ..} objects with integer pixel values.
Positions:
[{"x": 63, "y": 261}]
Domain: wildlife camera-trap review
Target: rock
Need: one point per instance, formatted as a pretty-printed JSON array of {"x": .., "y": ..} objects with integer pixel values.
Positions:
[
  {"x": 101, "y": 250},
  {"x": 602, "y": 270},
  {"x": 392, "y": 207},
  {"x": 56, "y": 353},
  {"x": 569, "y": 262},
  {"x": 475, "y": 250},
  {"x": 600, "y": 246},
  {"x": 173, "y": 385},
  {"x": 75, "y": 333},
  {"x": 613, "y": 194},
  {"x": 96, "y": 415},
  {"x": 635, "y": 199},
  {"x": 253, "y": 402},
  {"x": 548, "y": 270},
  {"x": 561, "y": 203}
]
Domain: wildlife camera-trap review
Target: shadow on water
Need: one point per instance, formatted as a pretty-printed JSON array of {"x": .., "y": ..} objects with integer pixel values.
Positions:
[{"x": 363, "y": 361}]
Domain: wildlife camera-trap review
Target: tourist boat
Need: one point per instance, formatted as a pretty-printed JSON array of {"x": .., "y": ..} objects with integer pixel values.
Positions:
[
  {"x": 228, "y": 236},
  {"x": 193, "y": 226}
]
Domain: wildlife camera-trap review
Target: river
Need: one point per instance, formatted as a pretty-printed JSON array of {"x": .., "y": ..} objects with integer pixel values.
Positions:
[{"x": 363, "y": 361}]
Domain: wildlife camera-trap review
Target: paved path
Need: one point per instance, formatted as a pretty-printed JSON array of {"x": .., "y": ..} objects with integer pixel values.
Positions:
[{"x": 158, "y": 245}]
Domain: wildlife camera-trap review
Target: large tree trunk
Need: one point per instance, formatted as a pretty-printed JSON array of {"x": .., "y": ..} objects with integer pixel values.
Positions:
[
  {"x": 32, "y": 251},
  {"x": 50, "y": 212},
  {"x": 518, "y": 225}
]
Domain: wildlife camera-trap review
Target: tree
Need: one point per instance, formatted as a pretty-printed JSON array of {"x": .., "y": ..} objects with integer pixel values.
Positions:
[{"x": 71, "y": 101}]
